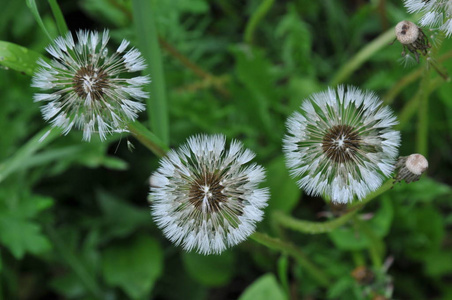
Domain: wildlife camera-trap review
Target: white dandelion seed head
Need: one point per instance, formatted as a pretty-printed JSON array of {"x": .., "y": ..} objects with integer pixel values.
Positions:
[
  {"x": 435, "y": 14},
  {"x": 341, "y": 144},
  {"x": 206, "y": 197},
  {"x": 85, "y": 87}
]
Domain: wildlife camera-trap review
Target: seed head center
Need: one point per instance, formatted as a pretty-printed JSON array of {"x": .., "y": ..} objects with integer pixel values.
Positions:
[
  {"x": 90, "y": 81},
  {"x": 340, "y": 143},
  {"x": 206, "y": 193}
]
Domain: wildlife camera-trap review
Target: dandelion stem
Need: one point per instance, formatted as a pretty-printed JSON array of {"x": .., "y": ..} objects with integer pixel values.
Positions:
[
  {"x": 146, "y": 32},
  {"x": 328, "y": 226},
  {"x": 409, "y": 78},
  {"x": 376, "y": 247},
  {"x": 148, "y": 139},
  {"x": 363, "y": 55},
  {"x": 422, "y": 130},
  {"x": 276, "y": 244},
  {"x": 255, "y": 18}
]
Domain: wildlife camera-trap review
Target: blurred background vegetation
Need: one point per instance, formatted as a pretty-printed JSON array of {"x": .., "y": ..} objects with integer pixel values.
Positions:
[{"x": 74, "y": 216}]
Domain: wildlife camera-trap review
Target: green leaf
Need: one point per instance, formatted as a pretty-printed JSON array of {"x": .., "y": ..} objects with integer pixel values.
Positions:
[
  {"x": 254, "y": 71},
  {"x": 347, "y": 238},
  {"x": 285, "y": 192},
  {"x": 133, "y": 266},
  {"x": 18, "y": 58},
  {"x": 424, "y": 190},
  {"x": 120, "y": 218},
  {"x": 17, "y": 231},
  {"x": 264, "y": 288},
  {"x": 212, "y": 270}
]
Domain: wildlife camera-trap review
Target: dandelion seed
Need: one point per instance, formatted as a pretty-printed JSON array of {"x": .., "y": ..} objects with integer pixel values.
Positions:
[
  {"x": 205, "y": 197},
  {"x": 410, "y": 168},
  {"x": 84, "y": 88},
  {"x": 436, "y": 14},
  {"x": 341, "y": 144}
]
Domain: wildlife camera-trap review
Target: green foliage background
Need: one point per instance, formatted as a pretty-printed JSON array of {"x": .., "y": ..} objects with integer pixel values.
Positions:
[{"x": 74, "y": 216}]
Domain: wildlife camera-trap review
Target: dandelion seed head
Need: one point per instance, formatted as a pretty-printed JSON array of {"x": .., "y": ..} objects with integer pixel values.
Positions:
[
  {"x": 341, "y": 144},
  {"x": 86, "y": 88},
  {"x": 436, "y": 14},
  {"x": 206, "y": 196}
]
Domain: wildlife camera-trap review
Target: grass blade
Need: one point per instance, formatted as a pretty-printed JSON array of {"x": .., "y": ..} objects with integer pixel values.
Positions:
[
  {"x": 34, "y": 10},
  {"x": 146, "y": 33},
  {"x": 59, "y": 18}
]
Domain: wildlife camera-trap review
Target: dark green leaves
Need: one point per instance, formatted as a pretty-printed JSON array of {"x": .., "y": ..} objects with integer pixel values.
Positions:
[{"x": 134, "y": 266}]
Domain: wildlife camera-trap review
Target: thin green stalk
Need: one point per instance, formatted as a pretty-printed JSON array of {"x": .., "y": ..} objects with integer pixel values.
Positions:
[
  {"x": 328, "y": 226},
  {"x": 276, "y": 244},
  {"x": 148, "y": 139},
  {"x": 411, "y": 77},
  {"x": 255, "y": 18},
  {"x": 24, "y": 154},
  {"x": 146, "y": 32},
  {"x": 59, "y": 18},
  {"x": 422, "y": 128},
  {"x": 376, "y": 247},
  {"x": 88, "y": 280},
  {"x": 363, "y": 55},
  {"x": 34, "y": 10},
  {"x": 411, "y": 107}
]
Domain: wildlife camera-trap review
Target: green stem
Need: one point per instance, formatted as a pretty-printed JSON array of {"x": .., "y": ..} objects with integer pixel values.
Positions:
[
  {"x": 411, "y": 107},
  {"x": 328, "y": 226},
  {"x": 148, "y": 139},
  {"x": 74, "y": 263},
  {"x": 422, "y": 129},
  {"x": 34, "y": 10},
  {"x": 376, "y": 247},
  {"x": 255, "y": 18},
  {"x": 25, "y": 153},
  {"x": 59, "y": 18},
  {"x": 146, "y": 32},
  {"x": 362, "y": 56},
  {"x": 411, "y": 77},
  {"x": 276, "y": 244}
]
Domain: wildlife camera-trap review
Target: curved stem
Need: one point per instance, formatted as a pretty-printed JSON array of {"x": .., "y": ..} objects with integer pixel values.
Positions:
[
  {"x": 363, "y": 55},
  {"x": 276, "y": 244},
  {"x": 256, "y": 17},
  {"x": 328, "y": 226}
]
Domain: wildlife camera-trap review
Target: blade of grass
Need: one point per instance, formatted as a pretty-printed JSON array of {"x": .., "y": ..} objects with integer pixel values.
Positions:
[
  {"x": 37, "y": 142},
  {"x": 34, "y": 10},
  {"x": 255, "y": 18},
  {"x": 59, "y": 18},
  {"x": 147, "y": 38}
]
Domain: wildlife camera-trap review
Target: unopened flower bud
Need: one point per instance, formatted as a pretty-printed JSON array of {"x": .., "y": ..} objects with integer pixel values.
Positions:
[
  {"x": 406, "y": 32},
  {"x": 410, "y": 168}
]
